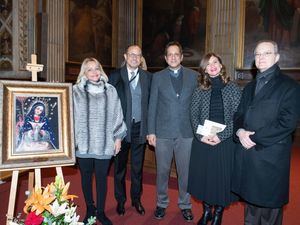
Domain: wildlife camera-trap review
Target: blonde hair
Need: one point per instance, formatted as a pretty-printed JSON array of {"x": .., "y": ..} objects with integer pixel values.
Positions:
[{"x": 84, "y": 68}]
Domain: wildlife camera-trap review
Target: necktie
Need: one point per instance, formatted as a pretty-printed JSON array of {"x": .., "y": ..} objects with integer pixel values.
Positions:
[
  {"x": 132, "y": 80},
  {"x": 260, "y": 83}
]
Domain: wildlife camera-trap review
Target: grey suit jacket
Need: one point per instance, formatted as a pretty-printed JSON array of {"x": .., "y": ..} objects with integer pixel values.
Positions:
[{"x": 168, "y": 115}]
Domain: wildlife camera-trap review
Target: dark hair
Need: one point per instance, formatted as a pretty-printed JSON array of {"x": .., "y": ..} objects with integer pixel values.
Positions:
[
  {"x": 173, "y": 43},
  {"x": 203, "y": 77}
]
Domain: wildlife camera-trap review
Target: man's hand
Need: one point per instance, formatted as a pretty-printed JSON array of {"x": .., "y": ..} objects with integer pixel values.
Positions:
[
  {"x": 244, "y": 137},
  {"x": 151, "y": 139}
]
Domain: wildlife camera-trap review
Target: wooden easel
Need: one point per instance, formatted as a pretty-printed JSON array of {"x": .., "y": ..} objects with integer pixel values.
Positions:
[{"x": 33, "y": 177}]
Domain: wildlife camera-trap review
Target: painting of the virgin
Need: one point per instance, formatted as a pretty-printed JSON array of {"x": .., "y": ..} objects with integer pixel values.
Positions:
[{"x": 36, "y": 124}]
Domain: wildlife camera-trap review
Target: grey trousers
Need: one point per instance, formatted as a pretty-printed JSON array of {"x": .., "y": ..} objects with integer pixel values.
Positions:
[
  {"x": 164, "y": 151},
  {"x": 262, "y": 216}
]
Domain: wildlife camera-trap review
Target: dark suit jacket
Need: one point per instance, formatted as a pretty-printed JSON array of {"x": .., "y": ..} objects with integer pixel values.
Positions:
[
  {"x": 262, "y": 172},
  {"x": 119, "y": 79},
  {"x": 169, "y": 116}
]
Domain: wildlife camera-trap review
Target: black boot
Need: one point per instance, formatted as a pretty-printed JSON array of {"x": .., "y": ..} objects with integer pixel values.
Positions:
[
  {"x": 103, "y": 219},
  {"x": 90, "y": 211},
  {"x": 207, "y": 214},
  {"x": 217, "y": 217}
]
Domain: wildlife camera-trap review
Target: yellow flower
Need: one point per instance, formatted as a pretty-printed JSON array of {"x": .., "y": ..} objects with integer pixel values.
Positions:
[
  {"x": 64, "y": 195},
  {"x": 39, "y": 201}
]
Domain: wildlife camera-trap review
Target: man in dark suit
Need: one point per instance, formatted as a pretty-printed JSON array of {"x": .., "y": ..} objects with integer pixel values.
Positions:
[
  {"x": 170, "y": 128},
  {"x": 264, "y": 123},
  {"x": 133, "y": 87}
]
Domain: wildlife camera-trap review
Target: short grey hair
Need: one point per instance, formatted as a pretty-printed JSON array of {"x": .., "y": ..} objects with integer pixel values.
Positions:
[{"x": 275, "y": 45}]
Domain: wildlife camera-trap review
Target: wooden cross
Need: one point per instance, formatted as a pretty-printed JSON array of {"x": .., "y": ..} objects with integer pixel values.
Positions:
[{"x": 34, "y": 68}]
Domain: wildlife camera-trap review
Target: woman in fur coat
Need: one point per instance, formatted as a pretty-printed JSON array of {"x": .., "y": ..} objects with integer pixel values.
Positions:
[{"x": 99, "y": 129}]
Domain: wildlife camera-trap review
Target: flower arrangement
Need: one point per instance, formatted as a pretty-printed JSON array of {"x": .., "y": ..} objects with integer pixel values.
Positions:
[{"x": 52, "y": 206}]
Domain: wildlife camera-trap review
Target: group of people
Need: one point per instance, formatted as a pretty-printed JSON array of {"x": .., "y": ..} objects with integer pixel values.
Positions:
[{"x": 249, "y": 160}]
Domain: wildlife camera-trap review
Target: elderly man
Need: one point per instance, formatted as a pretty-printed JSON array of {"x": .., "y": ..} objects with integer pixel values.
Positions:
[{"x": 264, "y": 123}]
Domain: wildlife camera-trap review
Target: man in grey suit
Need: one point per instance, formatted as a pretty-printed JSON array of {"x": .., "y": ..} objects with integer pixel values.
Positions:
[{"x": 169, "y": 127}]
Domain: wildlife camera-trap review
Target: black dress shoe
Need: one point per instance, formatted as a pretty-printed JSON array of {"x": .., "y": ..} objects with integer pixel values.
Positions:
[
  {"x": 120, "y": 208},
  {"x": 138, "y": 207},
  {"x": 103, "y": 219},
  {"x": 187, "y": 214},
  {"x": 159, "y": 213}
]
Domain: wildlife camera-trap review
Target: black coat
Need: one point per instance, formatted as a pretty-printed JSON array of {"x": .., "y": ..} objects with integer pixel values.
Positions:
[
  {"x": 262, "y": 172},
  {"x": 119, "y": 79}
]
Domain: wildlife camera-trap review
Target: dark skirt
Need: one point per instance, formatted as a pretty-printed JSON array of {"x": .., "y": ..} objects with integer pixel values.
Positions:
[{"x": 210, "y": 172}]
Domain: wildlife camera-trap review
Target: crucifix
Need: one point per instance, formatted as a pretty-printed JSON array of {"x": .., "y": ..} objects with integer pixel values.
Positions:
[{"x": 34, "y": 68}]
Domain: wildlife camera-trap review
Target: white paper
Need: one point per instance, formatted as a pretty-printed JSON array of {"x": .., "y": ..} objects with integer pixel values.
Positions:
[{"x": 210, "y": 128}]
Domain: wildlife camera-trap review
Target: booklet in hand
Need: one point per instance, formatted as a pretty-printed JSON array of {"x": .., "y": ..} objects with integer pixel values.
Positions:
[{"x": 210, "y": 128}]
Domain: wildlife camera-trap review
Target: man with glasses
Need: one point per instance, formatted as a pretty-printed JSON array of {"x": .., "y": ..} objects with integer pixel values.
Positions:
[
  {"x": 133, "y": 86},
  {"x": 264, "y": 123},
  {"x": 170, "y": 130}
]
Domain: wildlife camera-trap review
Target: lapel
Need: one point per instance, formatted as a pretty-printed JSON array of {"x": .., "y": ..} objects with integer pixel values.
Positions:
[
  {"x": 166, "y": 78},
  {"x": 143, "y": 82},
  {"x": 124, "y": 75},
  {"x": 185, "y": 82},
  {"x": 266, "y": 90}
]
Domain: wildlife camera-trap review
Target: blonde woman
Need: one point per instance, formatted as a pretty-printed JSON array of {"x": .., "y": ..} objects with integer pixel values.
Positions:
[{"x": 99, "y": 129}]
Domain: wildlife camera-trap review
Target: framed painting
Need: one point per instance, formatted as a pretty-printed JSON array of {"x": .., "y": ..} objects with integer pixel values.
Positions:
[
  {"x": 277, "y": 20},
  {"x": 178, "y": 20},
  {"x": 36, "y": 125},
  {"x": 91, "y": 30}
]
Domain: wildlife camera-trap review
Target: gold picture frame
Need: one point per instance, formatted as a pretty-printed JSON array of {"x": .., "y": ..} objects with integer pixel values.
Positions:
[
  {"x": 36, "y": 125},
  {"x": 256, "y": 23}
]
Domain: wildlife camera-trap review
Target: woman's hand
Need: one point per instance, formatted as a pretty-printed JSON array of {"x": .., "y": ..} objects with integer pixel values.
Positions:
[
  {"x": 211, "y": 140},
  {"x": 117, "y": 146}
]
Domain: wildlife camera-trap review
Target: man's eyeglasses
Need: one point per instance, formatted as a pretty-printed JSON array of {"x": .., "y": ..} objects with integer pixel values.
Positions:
[
  {"x": 176, "y": 55},
  {"x": 133, "y": 55},
  {"x": 264, "y": 54}
]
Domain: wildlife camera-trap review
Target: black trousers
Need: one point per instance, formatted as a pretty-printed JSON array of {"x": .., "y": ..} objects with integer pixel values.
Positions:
[
  {"x": 87, "y": 168},
  {"x": 136, "y": 169},
  {"x": 255, "y": 215}
]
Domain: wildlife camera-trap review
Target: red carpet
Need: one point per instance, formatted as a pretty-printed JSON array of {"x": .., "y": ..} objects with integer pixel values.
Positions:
[{"x": 232, "y": 216}]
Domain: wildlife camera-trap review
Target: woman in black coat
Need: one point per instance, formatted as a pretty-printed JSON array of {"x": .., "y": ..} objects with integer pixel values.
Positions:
[{"x": 211, "y": 163}]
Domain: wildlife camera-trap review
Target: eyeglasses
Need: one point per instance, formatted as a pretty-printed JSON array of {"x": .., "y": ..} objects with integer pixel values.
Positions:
[
  {"x": 176, "y": 55},
  {"x": 133, "y": 55},
  {"x": 264, "y": 54}
]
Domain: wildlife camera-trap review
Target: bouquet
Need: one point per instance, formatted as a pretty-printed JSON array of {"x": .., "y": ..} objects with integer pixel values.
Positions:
[{"x": 52, "y": 206}]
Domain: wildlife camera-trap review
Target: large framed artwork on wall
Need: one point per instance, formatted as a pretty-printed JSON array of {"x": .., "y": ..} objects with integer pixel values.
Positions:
[
  {"x": 277, "y": 20},
  {"x": 91, "y": 30},
  {"x": 175, "y": 20}
]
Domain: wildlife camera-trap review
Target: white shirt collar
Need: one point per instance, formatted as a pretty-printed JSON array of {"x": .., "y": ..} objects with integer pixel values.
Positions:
[{"x": 129, "y": 72}]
